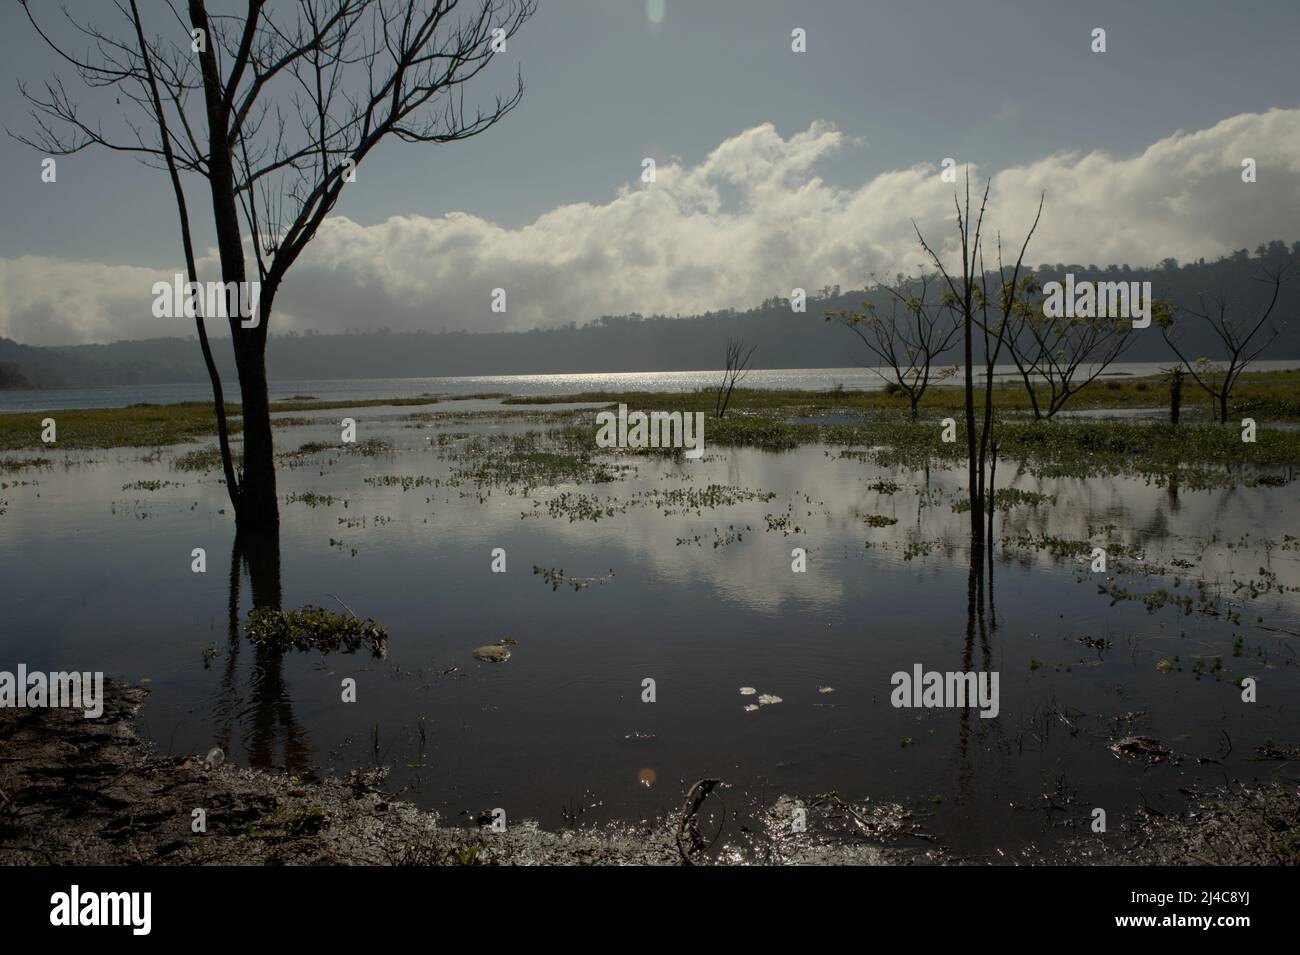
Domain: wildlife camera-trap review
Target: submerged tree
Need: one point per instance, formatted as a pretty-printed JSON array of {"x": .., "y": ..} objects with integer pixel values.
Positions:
[
  {"x": 968, "y": 295},
  {"x": 736, "y": 371},
  {"x": 1066, "y": 354},
  {"x": 909, "y": 343},
  {"x": 275, "y": 111},
  {"x": 1236, "y": 332}
]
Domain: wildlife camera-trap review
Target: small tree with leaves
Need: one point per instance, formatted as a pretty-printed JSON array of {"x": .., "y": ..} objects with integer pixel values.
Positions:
[
  {"x": 1243, "y": 336},
  {"x": 909, "y": 339},
  {"x": 1064, "y": 354}
]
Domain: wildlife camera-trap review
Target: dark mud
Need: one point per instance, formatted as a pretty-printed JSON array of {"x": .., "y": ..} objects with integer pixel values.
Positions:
[
  {"x": 92, "y": 792},
  {"x": 76, "y": 791}
]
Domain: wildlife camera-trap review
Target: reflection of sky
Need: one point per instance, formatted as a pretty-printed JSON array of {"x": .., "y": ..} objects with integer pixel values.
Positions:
[{"x": 99, "y": 578}]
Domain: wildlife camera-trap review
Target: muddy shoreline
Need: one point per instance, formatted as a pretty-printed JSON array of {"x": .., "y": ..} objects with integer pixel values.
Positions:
[{"x": 75, "y": 791}]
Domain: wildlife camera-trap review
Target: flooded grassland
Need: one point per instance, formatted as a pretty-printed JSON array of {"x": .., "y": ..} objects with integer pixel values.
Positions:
[{"x": 456, "y": 527}]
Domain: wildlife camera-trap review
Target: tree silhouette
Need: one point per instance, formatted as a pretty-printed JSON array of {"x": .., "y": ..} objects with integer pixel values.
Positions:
[{"x": 275, "y": 111}]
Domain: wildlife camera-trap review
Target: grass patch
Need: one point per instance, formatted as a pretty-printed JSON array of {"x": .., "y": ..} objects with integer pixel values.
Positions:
[
  {"x": 315, "y": 628},
  {"x": 139, "y": 426}
]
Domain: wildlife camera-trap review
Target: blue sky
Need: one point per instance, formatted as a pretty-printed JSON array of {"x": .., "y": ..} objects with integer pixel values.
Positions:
[{"x": 994, "y": 84}]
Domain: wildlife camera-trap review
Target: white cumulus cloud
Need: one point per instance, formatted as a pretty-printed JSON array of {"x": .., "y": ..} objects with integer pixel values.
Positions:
[{"x": 752, "y": 220}]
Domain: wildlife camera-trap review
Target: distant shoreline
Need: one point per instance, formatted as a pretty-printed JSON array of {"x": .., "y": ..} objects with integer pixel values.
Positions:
[{"x": 524, "y": 386}]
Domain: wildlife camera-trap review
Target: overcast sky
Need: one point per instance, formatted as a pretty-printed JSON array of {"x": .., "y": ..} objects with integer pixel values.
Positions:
[{"x": 775, "y": 169}]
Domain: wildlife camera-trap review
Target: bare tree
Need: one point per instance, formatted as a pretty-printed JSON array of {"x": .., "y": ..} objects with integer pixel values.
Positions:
[
  {"x": 1235, "y": 332},
  {"x": 1064, "y": 353},
  {"x": 275, "y": 111},
  {"x": 737, "y": 370},
  {"x": 968, "y": 295},
  {"x": 909, "y": 343}
]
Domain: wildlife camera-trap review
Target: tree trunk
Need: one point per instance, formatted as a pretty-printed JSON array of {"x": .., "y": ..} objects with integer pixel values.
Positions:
[
  {"x": 1223, "y": 406},
  {"x": 258, "y": 511},
  {"x": 973, "y": 464}
]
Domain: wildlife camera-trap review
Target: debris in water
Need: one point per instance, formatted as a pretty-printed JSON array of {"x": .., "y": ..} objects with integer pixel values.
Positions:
[
  {"x": 492, "y": 653},
  {"x": 1142, "y": 747}
]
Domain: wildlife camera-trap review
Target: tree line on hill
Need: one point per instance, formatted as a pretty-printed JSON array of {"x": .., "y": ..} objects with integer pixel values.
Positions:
[{"x": 782, "y": 337}]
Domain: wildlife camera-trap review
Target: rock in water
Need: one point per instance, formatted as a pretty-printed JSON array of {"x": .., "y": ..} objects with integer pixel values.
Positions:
[{"x": 492, "y": 654}]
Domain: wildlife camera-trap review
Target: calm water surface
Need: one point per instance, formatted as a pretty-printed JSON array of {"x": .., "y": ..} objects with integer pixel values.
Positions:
[{"x": 695, "y": 592}]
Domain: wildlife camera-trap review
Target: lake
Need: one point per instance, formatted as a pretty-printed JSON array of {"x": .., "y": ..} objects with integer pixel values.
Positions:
[{"x": 678, "y": 572}]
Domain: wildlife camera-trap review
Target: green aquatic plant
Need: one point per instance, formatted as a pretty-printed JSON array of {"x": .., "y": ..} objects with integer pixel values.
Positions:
[{"x": 315, "y": 628}]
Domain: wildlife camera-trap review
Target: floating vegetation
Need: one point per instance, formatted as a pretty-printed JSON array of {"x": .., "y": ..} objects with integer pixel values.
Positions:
[
  {"x": 204, "y": 459},
  {"x": 523, "y": 462},
  {"x": 1093, "y": 643},
  {"x": 680, "y": 500},
  {"x": 341, "y": 544},
  {"x": 378, "y": 520},
  {"x": 315, "y": 628},
  {"x": 406, "y": 482},
  {"x": 783, "y": 523},
  {"x": 21, "y": 464},
  {"x": 1203, "y": 603},
  {"x": 306, "y": 450},
  {"x": 582, "y": 507},
  {"x": 312, "y": 499},
  {"x": 731, "y": 536},
  {"x": 557, "y": 578},
  {"x": 151, "y": 485},
  {"x": 879, "y": 520},
  {"x": 369, "y": 449},
  {"x": 685, "y": 499}
]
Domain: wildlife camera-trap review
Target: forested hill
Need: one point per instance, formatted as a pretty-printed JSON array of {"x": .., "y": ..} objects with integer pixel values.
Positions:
[{"x": 784, "y": 339}]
